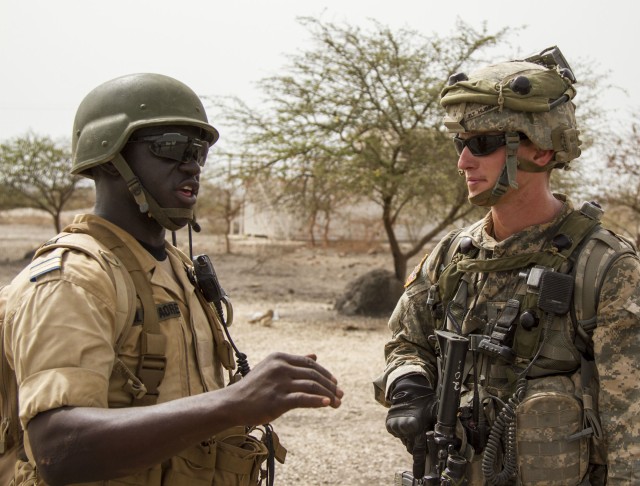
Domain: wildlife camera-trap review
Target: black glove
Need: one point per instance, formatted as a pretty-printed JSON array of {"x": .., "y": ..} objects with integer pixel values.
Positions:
[{"x": 413, "y": 409}]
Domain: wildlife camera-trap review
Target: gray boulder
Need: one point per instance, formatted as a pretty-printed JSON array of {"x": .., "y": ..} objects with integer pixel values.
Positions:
[{"x": 373, "y": 294}]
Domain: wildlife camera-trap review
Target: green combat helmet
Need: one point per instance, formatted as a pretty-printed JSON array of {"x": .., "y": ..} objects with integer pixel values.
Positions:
[
  {"x": 110, "y": 113},
  {"x": 531, "y": 96}
]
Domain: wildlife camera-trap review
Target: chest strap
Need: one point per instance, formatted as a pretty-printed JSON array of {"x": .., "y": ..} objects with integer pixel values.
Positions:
[{"x": 144, "y": 384}]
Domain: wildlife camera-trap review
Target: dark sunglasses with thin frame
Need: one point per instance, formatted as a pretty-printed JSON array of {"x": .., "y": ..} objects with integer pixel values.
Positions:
[{"x": 480, "y": 145}]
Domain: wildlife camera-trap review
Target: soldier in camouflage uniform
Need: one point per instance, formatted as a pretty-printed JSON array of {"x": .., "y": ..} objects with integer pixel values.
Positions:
[{"x": 561, "y": 384}]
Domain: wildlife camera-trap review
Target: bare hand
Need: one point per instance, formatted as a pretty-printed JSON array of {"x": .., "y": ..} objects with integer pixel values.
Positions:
[{"x": 282, "y": 382}]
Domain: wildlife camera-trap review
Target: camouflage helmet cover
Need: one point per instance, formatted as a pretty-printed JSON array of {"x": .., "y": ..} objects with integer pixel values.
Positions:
[
  {"x": 516, "y": 96},
  {"x": 110, "y": 113}
]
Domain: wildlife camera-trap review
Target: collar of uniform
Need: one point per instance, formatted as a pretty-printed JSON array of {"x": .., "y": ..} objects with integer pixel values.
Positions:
[
  {"x": 180, "y": 271},
  {"x": 158, "y": 252},
  {"x": 147, "y": 262},
  {"x": 529, "y": 240},
  {"x": 174, "y": 282}
]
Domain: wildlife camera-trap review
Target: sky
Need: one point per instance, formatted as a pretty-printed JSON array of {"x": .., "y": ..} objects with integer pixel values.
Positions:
[{"x": 53, "y": 52}]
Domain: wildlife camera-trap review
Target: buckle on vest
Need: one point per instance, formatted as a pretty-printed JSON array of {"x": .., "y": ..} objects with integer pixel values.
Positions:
[
  {"x": 498, "y": 345},
  {"x": 151, "y": 372}
]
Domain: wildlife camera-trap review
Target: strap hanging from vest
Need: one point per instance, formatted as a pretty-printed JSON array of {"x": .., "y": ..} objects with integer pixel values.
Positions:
[
  {"x": 10, "y": 430},
  {"x": 151, "y": 368},
  {"x": 457, "y": 308},
  {"x": 224, "y": 348}
]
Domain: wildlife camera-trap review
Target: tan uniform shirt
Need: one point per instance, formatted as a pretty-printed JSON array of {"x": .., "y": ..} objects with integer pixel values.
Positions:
[{"x": 61, "y": 330}]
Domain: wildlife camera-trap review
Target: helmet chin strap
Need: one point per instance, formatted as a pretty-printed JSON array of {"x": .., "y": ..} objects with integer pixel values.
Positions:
[
  {"x": 507, "y": 177},
  {"x": 148, "y": 205}
]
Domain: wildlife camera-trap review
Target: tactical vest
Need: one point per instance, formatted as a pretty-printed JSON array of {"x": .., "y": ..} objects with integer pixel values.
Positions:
[
  {"x": 133, "y": 286},
  {"x": 239, "y": 452},
  {"x": 573, "y": 263},
  {"x": 543, "y": 332}
]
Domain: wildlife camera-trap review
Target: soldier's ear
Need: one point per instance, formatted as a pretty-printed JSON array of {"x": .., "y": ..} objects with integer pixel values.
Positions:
[
  {"x": 534, "y": 154},
  {"x": 542, "y": 157}
]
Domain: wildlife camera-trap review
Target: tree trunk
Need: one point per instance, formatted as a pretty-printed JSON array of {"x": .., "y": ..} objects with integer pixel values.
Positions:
[
  {"x": 399, "y": 259},
  {"x": 325, "y": 229},
  {"x": 227, "y": 242},
  {"x": 56, "y": 221},
  {"x": 311, "y": 227}
]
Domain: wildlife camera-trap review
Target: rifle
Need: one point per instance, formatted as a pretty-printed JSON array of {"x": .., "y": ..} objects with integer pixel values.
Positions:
[{"x": 445, "y": 465}]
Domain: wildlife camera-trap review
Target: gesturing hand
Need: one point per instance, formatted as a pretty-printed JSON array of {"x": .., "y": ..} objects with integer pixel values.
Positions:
[{"x": 282, "y": 382}]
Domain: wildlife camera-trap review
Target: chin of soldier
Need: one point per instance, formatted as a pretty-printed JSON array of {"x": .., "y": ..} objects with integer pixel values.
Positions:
[{"x": 181, "y": 222}]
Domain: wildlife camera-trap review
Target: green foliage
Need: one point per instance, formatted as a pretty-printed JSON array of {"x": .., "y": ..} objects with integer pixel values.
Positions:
[
  {"x": 35, "y": 172},
  {"x": 357, "y": 117}
]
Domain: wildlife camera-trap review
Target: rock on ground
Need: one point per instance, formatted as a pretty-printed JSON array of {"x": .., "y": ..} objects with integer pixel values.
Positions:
[{"x": 374, "y": 293}]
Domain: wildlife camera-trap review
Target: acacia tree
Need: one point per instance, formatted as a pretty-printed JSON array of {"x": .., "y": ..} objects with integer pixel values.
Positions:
[
  {"x": 35, "y": 172},
  {"x": 307, "y": 186},
  {"x": 359, "y": 115}
]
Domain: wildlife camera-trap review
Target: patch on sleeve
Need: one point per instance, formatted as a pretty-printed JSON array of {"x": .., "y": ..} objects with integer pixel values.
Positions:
[
  {"x": 632, "y": 306},
  {"x": 48, "y": 263},
  {"x": 416, "y": 271}
]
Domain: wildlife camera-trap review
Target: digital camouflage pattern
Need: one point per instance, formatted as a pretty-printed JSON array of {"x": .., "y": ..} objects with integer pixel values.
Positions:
[
  {"x": 549, "y": 411},
  {"x": 486, "y": 101},
  {"x": 617, "y": 350},
  {"x": 491, "y": 86}
]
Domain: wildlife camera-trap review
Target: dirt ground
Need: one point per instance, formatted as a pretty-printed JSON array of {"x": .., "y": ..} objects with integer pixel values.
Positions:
[{"x": 300, "y": 285}]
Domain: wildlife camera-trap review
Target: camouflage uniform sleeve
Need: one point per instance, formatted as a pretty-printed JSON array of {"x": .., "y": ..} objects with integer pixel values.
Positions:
[
  {"x": 617, "y": 355},
  {"x": 409, "y": 351}
]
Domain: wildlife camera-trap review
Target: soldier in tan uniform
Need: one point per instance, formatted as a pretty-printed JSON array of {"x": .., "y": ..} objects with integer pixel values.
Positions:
[
  {"x": 547, "y": 299},
  {"x": 108, "y": 400}
]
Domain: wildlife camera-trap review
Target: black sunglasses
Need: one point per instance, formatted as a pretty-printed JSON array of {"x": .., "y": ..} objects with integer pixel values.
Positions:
[
  {"x": 175, "y": 146},
  {"x": 480, "y": 145}
]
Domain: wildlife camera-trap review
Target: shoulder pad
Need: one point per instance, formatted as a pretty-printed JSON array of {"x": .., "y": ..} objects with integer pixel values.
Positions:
[
  {"x": 601, "y": 249},
  {"x": 445, "y": 250},
  {"x": 618, "y": 243}
]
